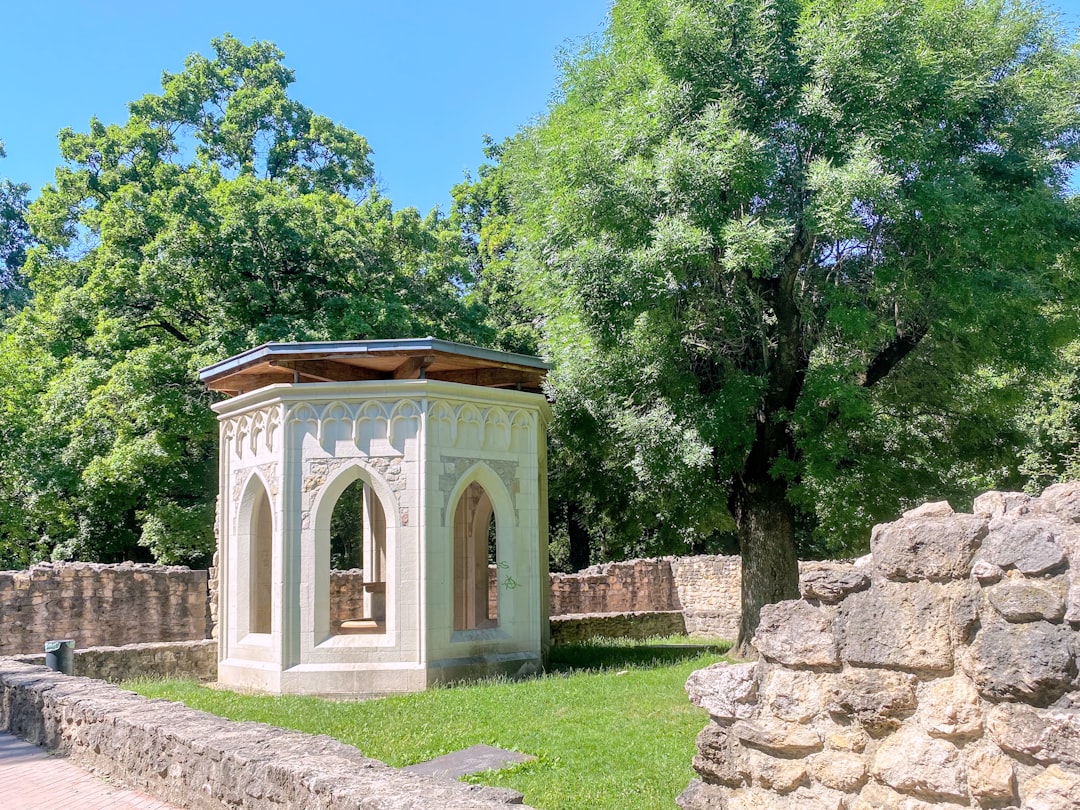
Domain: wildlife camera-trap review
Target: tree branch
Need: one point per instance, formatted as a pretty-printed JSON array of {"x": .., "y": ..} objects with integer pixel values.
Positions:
[
  {"x": 891, "y": 354},
  {"x": 168, "y": 327}
]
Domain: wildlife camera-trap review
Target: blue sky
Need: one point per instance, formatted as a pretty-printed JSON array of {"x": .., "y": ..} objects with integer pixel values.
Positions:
[{"x": 422, "y": 81}]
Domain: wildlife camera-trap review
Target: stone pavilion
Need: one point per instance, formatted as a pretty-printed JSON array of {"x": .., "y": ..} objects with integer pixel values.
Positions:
[{"x": 442, "y": 447}]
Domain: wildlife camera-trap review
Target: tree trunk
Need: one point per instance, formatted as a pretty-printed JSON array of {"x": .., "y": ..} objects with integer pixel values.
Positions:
[
  {"x": 580, "y": 552},
  {"x": 770, "y": 568}
]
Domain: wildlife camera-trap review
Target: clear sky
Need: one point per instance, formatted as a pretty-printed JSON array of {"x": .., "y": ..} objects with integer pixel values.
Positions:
[{"x": 422, "y": 81}]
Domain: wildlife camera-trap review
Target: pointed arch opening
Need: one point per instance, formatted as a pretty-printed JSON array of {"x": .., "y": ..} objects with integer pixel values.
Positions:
[
  {"x": 255, "y": 560},
  {"x": 355, "y": 560},
  {"x": 476, "y": 596}
]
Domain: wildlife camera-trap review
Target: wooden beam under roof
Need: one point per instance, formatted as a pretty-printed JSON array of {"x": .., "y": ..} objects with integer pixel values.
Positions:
[
  {"x": 327, "y": 370},
  {"x": 490, "y": 377},
  {"x": 411, "y": 368}
]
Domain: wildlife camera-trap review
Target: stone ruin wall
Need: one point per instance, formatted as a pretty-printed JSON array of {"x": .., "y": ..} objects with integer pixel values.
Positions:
[
  {"x": 938, "y": 672},
  {"x": 196, "y": 760},
  {"x": 100, "y": 605},
  {"x": 705, "y": 588}
]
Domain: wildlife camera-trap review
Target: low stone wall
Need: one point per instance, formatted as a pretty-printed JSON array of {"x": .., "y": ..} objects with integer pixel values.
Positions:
[
  {"x": 175, "y": 659},
  {"x": 199, "y": 761},
  {"x": 615, "y": 588},
  {"x": 940, "y": 672},
  {"x": 583, "y": 626},
  {"x": 100, "y": 605}
]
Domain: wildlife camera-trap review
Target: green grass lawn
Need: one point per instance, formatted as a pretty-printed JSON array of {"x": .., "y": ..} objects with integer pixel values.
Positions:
[{"x": 611, "y": 726}]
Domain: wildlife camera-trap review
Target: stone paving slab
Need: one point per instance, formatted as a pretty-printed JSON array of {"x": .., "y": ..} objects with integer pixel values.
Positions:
[
  {"x": 33, "y": 779},
  {"x": 469, "y": 760}
]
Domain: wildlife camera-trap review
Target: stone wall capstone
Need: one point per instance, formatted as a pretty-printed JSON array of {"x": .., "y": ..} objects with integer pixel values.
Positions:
[
  {"x": 100, "y": 605},
  {"x": 938, "y": 672}
]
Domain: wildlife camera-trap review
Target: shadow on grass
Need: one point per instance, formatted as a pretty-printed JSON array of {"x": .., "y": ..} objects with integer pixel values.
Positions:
[{"x": 603, "y": 654}]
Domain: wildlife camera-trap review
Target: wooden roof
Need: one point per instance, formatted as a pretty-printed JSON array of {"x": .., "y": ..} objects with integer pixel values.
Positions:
[{"x": 356, "y": 360}]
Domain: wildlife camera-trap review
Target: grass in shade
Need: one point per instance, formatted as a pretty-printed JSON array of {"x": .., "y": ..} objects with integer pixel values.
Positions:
[{"x": 610, "y": 724}]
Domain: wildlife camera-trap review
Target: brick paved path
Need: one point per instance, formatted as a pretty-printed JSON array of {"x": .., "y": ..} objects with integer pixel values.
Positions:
[{"x": 31, "y": 779}]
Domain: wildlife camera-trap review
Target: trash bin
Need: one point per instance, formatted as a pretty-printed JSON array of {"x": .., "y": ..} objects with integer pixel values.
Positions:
[{"x": 60, "y": 655}]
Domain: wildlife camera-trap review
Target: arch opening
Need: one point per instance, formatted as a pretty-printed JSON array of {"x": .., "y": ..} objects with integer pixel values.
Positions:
[
  {"x": 476, "y": 561},
  {"x": 358, "y": 562},
  {"x": 260, "y": 564}
]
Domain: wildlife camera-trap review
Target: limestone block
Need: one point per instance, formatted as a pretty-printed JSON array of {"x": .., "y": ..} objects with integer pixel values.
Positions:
[
  {"x": 1028, "y": 600},
  {"x": 874, "y": 796},
  {"x": 716, "y": 758},
  {"x": 1033, "y": 662},
  {"x": 814, "y": 798},
  {"x": 1029, "y": 545},
  {"x": 930, "y": 546},
  {"x": 792, "y": 695},
  {"x": 1072, "y": 609},
  {"x": 995, "y": 504},
  {"x": 991, "y": 775},
  {"x": 986, "y": 573},
  {"x": 796, "y": 633},
  {"x": 1048, "y": 736},
  {"x": 829, "y": 583},
  {"x": 1053, "y": 789},
  {"x": 778, "y": 737},
  {"x": 726, "y": 691},
  {"x": 912, "y": 762},
  {"x": 877, "y": 699},
  {"x": 847, "y": 738},
  {"x": 838, "y": 770},
  {"x": 700, "y": 795},
  {"x": 935, "y": 509},
  {"x": 908, "y": 626},
  {"x": 773, "y": 773},
  {"x": 1061, "y": 500},
  {"x": 950, "y": 708}
]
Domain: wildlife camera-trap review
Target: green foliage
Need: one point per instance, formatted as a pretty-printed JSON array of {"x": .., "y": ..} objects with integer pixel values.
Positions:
[
  {"x": 154, "y": 262},
  {"x": 801, "y": 247},
  {"x": 14, "y": 241},
  {"x": 615, "y": 731}
]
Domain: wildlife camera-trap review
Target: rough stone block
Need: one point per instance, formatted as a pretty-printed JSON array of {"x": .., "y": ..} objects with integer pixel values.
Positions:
[
  {"x": 875, "y": 796},
  {"x": 1028, "y": 545},
  {"x": 1033, "y": 662},
  {"x": 815, "y": 798},
  {"x": 907, "y": 626},
  {"x": 716, "y": 759},
  {"x": 778, "y": 737},
  {"x": 1047, "y": 736},
  {"x": 782, "y": 775},
  {"x": 726, "y": 691},
  {"x": 829, "y": 583},
  {"x": 794, "y": 696},
  {"x": 1029, "y": 600},
  {"x": 950, "y": 708},
  {"x": 1053, "y": 789},
  {"x": 995, "y": 504},
  {"x": 837, "y": 770},
  {"x": 796, "y": 633},
  {"x": 933, "y": 547},
  {"x": 991, "y": 775},
  {"x": 1072, "y": 609},
  {"x": 847, "y": 738},
  {"x": 700, "y": 795},
  {"x": 1061, "y": 500},
  {"x": 912, "y": 762},
  {"x": 876, "y": 699}
]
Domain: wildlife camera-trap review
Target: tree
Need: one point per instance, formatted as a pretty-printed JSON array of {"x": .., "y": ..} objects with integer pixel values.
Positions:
[
  {"x": 221, "y": 215},
  {"x": 14, "y": 241},
  {"x": 789, "y": 250}
]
